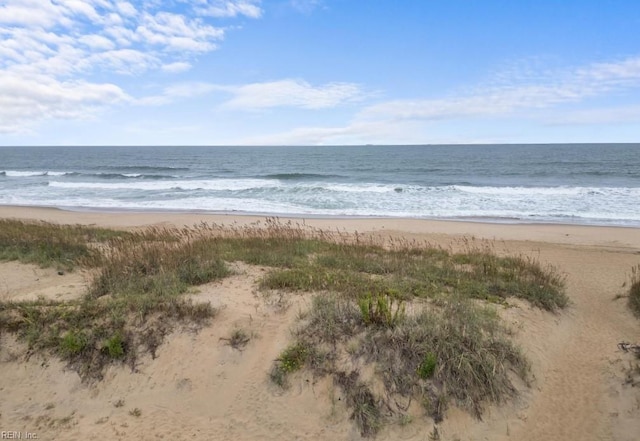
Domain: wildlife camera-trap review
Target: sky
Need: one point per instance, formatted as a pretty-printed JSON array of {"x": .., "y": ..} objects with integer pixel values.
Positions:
[{"x": 318, "y": 72}]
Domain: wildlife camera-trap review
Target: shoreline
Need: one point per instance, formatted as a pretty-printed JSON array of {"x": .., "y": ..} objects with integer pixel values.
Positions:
[
  {"x": 283, "y": 215},
  {"x": 622, "y": 238},
  {"x": 471, "y": 219}
]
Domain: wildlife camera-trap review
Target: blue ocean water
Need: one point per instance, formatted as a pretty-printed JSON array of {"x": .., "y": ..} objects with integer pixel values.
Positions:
[{"x": 567, "y": 183}]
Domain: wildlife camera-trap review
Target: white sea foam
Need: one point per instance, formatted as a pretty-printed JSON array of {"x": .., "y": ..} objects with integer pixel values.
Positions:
[
  {"x": 24, "y": 174},
  {"x": 362, "y": 188},
  {"x": 603, "y": 205},
  {"x": 543, "y": 191},
  {"x": 213, "y": 184},
  {"x": 573, "y": 204}
]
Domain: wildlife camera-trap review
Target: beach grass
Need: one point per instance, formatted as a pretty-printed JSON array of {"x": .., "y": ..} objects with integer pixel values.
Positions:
[
  {"x": 634, "y": 291},
  {"x": 450, "y": 350},
  {"x": 416, "y": 313},
  {"x": 46, "y": 245},
  {"x": 134, "y": 300}
]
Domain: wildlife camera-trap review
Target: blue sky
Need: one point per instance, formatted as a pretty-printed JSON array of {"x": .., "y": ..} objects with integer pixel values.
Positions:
[{"x": 318, "y": 72}]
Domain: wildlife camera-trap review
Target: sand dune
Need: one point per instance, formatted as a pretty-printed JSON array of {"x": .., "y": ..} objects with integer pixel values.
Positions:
[{"x": 199, "y": 387}]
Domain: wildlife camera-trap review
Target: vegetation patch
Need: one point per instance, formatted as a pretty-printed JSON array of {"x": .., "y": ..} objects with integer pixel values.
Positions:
[
  {"x": 427, "y": 366},
  {"x": 383, "y": 309},
  {"x": 366, "y": 412},
  {"x": 358, "y": 270},
  {"x": 413, "y": 317},
  {"x": 238, "y": 339},
  {"x": 450, "y": 350},
  {"x": 634, "y": 291},
  {"x": 292, "y": 359},
  {"x": 134, "y": 301},
  {"x": 45, "y": 244}
]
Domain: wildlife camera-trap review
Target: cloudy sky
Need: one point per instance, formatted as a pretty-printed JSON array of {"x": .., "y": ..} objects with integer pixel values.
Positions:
[{"x": 316, "y": 72}]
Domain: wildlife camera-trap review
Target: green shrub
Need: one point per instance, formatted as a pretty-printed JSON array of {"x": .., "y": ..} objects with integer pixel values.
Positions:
[
  {"x": 428, "y": 366},
  {"x": 293, "y": 358},
  {"x": 73, "y": 343},
  {"x": 383, "y": 309},
  {"x": 115, "y": 346}
]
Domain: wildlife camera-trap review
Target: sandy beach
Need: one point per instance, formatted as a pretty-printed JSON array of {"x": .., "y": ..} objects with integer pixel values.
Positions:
[{"x": 200, "y": 388}]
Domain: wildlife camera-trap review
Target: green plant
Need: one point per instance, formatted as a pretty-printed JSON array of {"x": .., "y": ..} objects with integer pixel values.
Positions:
[
  {"x": 383, "y": 309},
  {"x": 450, "y": 351},
  {"x": 46, "y": 244},
  {"x": 73, "y": 343},
  {"x": 238, "y": 339},
  {"x": 115, "y": 346},
  {"x": 294, "y": 357},
  {"x": 290, "y": 360},
  {"x": 427, "y": 367},
  {"x": 278, "y": 375}
]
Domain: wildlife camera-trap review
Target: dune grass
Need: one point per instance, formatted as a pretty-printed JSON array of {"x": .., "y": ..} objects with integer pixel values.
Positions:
[
  {"x": 413, "y": 312},
  {"x": 46, "y": 245},
  {"x": 132, "y": 303},
  {"x": 356, "y": 270},
  {"x": 448, "y": 351},
  {"x": 634, "y": 291}
]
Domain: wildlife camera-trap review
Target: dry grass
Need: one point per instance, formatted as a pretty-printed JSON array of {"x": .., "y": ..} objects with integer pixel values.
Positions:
[
  {"x": 447, "y": 351},
  {"x": 409, "y": 310},
  {"x": 634, "y": 291},
  {"x": 238, "y": 339},
  {"x": 132, "y": 304},
  {"x": 62, "y": 246}
]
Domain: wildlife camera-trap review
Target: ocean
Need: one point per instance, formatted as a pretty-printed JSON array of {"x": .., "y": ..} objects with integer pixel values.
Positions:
[{"x": 595, "y": 184}]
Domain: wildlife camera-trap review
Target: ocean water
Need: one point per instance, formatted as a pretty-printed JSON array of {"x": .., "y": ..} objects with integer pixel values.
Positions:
[{"x": 564, "y": 183}]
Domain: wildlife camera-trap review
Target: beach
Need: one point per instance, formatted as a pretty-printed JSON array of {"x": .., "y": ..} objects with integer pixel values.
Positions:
[{"x": 200, "y": 388}]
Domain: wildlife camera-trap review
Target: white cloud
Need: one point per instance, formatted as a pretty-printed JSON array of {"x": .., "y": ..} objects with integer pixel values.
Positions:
[
  {"x": 124, "y": 61},
  {"x": 176, "y": 67},
  {"x": 31, "y": 13},
  {"x": 625, "y": 72},
  {"x": 354, "y": 133},
  {"x": 257, "y": 96},
  {"x": 231, "y": 8},
  {"x": 82, "y": 8},
  {"x": 300, "y": 136},
  {"x": 178, "y": 91},
  {"x": 292, "y": 93},
  {"x": 410, "y": 121},
  {"x": 97, "y": 42},
  {"x": 23, "y": 100},
  {"x": 49, "y": 49},
  {"x": 608, "y": 115},
  {"x": 176, "y": 32},
  {"x": 306, "y": 6},
  {"x": 126, "y": 9},
  {"x": 187, "y": 90},
  {"x": 514, "y": 95}
]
